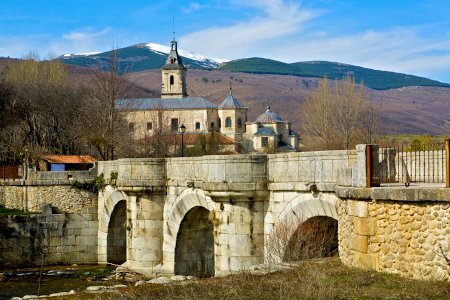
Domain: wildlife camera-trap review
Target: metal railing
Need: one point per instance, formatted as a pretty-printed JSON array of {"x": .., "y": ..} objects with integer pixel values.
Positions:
[{"x": 408, "y": 164}]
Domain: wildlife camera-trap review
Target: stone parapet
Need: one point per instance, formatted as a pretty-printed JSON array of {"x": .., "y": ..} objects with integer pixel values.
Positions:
[
  {"x": 301, "y": 170},
  {"x": 397, "y": 193}
]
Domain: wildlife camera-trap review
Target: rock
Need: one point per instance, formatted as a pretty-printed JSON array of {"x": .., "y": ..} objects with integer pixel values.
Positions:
[
  {"x": 191, "y": 278},
  {"x": 60, "y": 294},
  {"x": 16, "y": 298},
  {"x": 160, "y": 280},
  {"x": 95, "y": 288},
  {"x": 139, "y": 283},
  {"x": 3, "y": 278},
  {"x": 72, "y": 292},
  {"x": 30, "y": 297},
  {"x": 120, "y": 286},
  {"x": 178, "y": 278}
]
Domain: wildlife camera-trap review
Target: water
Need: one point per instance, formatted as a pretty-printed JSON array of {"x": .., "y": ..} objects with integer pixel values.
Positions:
[{"x": 54, "y": 279}]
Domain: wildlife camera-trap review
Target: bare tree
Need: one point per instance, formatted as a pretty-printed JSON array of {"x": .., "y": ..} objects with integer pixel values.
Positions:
[
  {"x": 104, "y": 126},
  {"x": 317, "y": 116},
  {"x": 339, "y": 118}
]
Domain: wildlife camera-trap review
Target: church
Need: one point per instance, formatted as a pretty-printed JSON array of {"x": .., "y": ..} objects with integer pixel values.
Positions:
[{"x": 175, "y": 109}]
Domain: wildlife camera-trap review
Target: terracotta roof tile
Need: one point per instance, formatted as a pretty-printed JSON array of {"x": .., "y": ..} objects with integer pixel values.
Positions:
[{"x": 69, "y": 159}]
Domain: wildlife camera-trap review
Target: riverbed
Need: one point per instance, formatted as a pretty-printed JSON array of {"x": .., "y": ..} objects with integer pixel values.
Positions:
[{"x": 52, "y": 279}]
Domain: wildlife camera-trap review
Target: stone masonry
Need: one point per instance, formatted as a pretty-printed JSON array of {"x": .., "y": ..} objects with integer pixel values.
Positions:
[{"x": 215, "y": 215}]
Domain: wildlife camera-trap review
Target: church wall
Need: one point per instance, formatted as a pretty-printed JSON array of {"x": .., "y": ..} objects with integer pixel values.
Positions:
[{"x": 188, "y": 117}]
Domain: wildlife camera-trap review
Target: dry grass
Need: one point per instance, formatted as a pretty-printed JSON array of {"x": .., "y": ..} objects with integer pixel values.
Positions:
[{"x": 319, "y": 279}]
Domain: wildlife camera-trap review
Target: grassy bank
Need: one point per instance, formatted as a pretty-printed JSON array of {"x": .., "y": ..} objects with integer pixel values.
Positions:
[{"x": 325, "y": 279}]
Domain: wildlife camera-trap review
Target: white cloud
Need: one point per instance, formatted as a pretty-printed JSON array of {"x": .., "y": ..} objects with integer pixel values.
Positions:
[
  {"x": 193, "y": 6},
  {"x": 278, "y": 31},
  {"x": 277, "y": 19},
  {"x": 400, "y": 49},
  {"x": 82, "y": 41}
]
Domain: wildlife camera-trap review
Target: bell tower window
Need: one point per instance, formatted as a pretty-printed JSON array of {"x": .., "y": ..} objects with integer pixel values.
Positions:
[{"x": 171, "y": 80}]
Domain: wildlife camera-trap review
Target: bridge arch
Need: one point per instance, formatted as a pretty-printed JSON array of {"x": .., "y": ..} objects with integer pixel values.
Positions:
[
  {"x": 189, "y": 219},
  {"x": 309, "y": 222},
  {"x": 112, "y": 227}
]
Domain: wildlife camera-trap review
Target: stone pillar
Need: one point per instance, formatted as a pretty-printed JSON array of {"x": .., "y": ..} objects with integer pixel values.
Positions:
[
  {"x": 240, "y": 235},
  {"x": 145, "y": 230}
]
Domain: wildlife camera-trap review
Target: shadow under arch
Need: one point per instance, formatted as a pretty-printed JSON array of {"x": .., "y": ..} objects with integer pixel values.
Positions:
[
  {"x": 201, "y": 206},
  {"x": 306, "y": 228},
  {"x": 112, "y": 214},
  {"x": 194, "y": 250},
  {"x": 117, "y": 235}
]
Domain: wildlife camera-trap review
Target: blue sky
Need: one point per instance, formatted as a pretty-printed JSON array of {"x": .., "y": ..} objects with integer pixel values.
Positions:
[{"x": 403, "y": 36}]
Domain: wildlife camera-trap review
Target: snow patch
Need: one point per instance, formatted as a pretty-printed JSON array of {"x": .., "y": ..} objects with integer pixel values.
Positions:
[
  {"x": 185, "y": 53},
  {"x": 81, "y": 54}
]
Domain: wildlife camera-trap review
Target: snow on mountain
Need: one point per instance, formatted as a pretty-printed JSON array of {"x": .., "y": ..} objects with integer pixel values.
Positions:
[
  {"x": 207, "y": 61},
  {"x": 80, "y": 54}
]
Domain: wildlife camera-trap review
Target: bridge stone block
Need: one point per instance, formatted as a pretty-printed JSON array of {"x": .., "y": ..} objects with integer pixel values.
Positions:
[
  {"x": 357, "y": 208},
  {"x": 359, "y": 243},
  {"x": 364, "y": 226}
]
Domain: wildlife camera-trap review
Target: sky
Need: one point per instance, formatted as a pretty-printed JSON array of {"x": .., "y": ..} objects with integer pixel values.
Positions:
[{"x": 404, "y": 36}]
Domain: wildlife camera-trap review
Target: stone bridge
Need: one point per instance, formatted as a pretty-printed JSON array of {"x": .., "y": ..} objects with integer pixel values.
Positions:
[{"x": 213, "y": 215}]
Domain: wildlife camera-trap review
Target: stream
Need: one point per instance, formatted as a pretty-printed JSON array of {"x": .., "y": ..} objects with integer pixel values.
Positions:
[{"x": 51, "y": 279}]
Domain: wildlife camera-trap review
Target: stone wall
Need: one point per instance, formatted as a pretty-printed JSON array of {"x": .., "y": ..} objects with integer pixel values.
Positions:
[
  {"x": 49, "y": 238},
  {"x": 53, "y": 188},
  {"x": 396, "y": 230},
  {"x": 63, "y": 198}
]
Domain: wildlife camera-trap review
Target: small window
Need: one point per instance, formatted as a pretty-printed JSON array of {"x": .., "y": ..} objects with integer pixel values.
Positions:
[
  {"x": 219, "y": 122},
  {"x": 228, "y": 122},
  {"x": 197, "y": 125},
  {"x": 149, "y": 126},
  {"x": 212, "y": 125},
  {"x": 174, "y": 124},
  {"x": 239, "y": 122},
  {"x": 264, "y": 141},
  {"x": 131, "y": 126},
  {"x": 171, "y": 80}
]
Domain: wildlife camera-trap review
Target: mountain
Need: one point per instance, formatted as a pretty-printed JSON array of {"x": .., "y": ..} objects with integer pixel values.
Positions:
[
  {"x": 140, "y": 57},
  {"x": 150, "y": 56},
  {"x": 375, "y": 79}
]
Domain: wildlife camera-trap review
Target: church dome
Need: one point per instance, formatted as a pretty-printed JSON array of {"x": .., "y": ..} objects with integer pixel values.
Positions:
[
  {"x": 230, "y": 102},
  {"x": 268, "y": 117}
]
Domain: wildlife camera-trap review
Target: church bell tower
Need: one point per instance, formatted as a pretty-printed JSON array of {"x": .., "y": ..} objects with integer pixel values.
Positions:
[{"x": 173, "y": 75}]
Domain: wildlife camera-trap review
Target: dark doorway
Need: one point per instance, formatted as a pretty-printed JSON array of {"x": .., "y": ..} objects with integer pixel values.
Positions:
[{"x": 194, "y": 251}]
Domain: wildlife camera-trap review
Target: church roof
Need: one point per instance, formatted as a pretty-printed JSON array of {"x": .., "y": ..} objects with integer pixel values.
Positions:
[
  {"x": 230, "y": 102},
  {"x": 164, "y": 103},
  {"x": 265, "y": 131},
  {"x": 268, "y": 117},
  {"x": 173, "y": 61}
]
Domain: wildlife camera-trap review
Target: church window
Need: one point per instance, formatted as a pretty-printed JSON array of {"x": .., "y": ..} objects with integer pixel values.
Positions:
[
  {"x": 239, "y": 122},
  {"x": 264, "y": 141},
  {"x": 197, "y": 125},
  {"x": 149, "y": 126},
  {"x": 171, "y": 80},
  {"x": 219, "y": 122},
  {"x": 174, "y": 124},
  {"x": 228, "y": 122}
]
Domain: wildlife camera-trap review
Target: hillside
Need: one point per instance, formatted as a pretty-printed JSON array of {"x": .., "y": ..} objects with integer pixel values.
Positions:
[
  {"x": 375, "y": 79},
  {"x": 138, "y": 58},
  {"x": 150, "y": 56},
  {"x": 409, "y": 110}
]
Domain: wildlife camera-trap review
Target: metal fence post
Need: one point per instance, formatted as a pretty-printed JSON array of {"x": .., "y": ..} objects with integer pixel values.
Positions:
[{"x": 447, "y": 163}]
